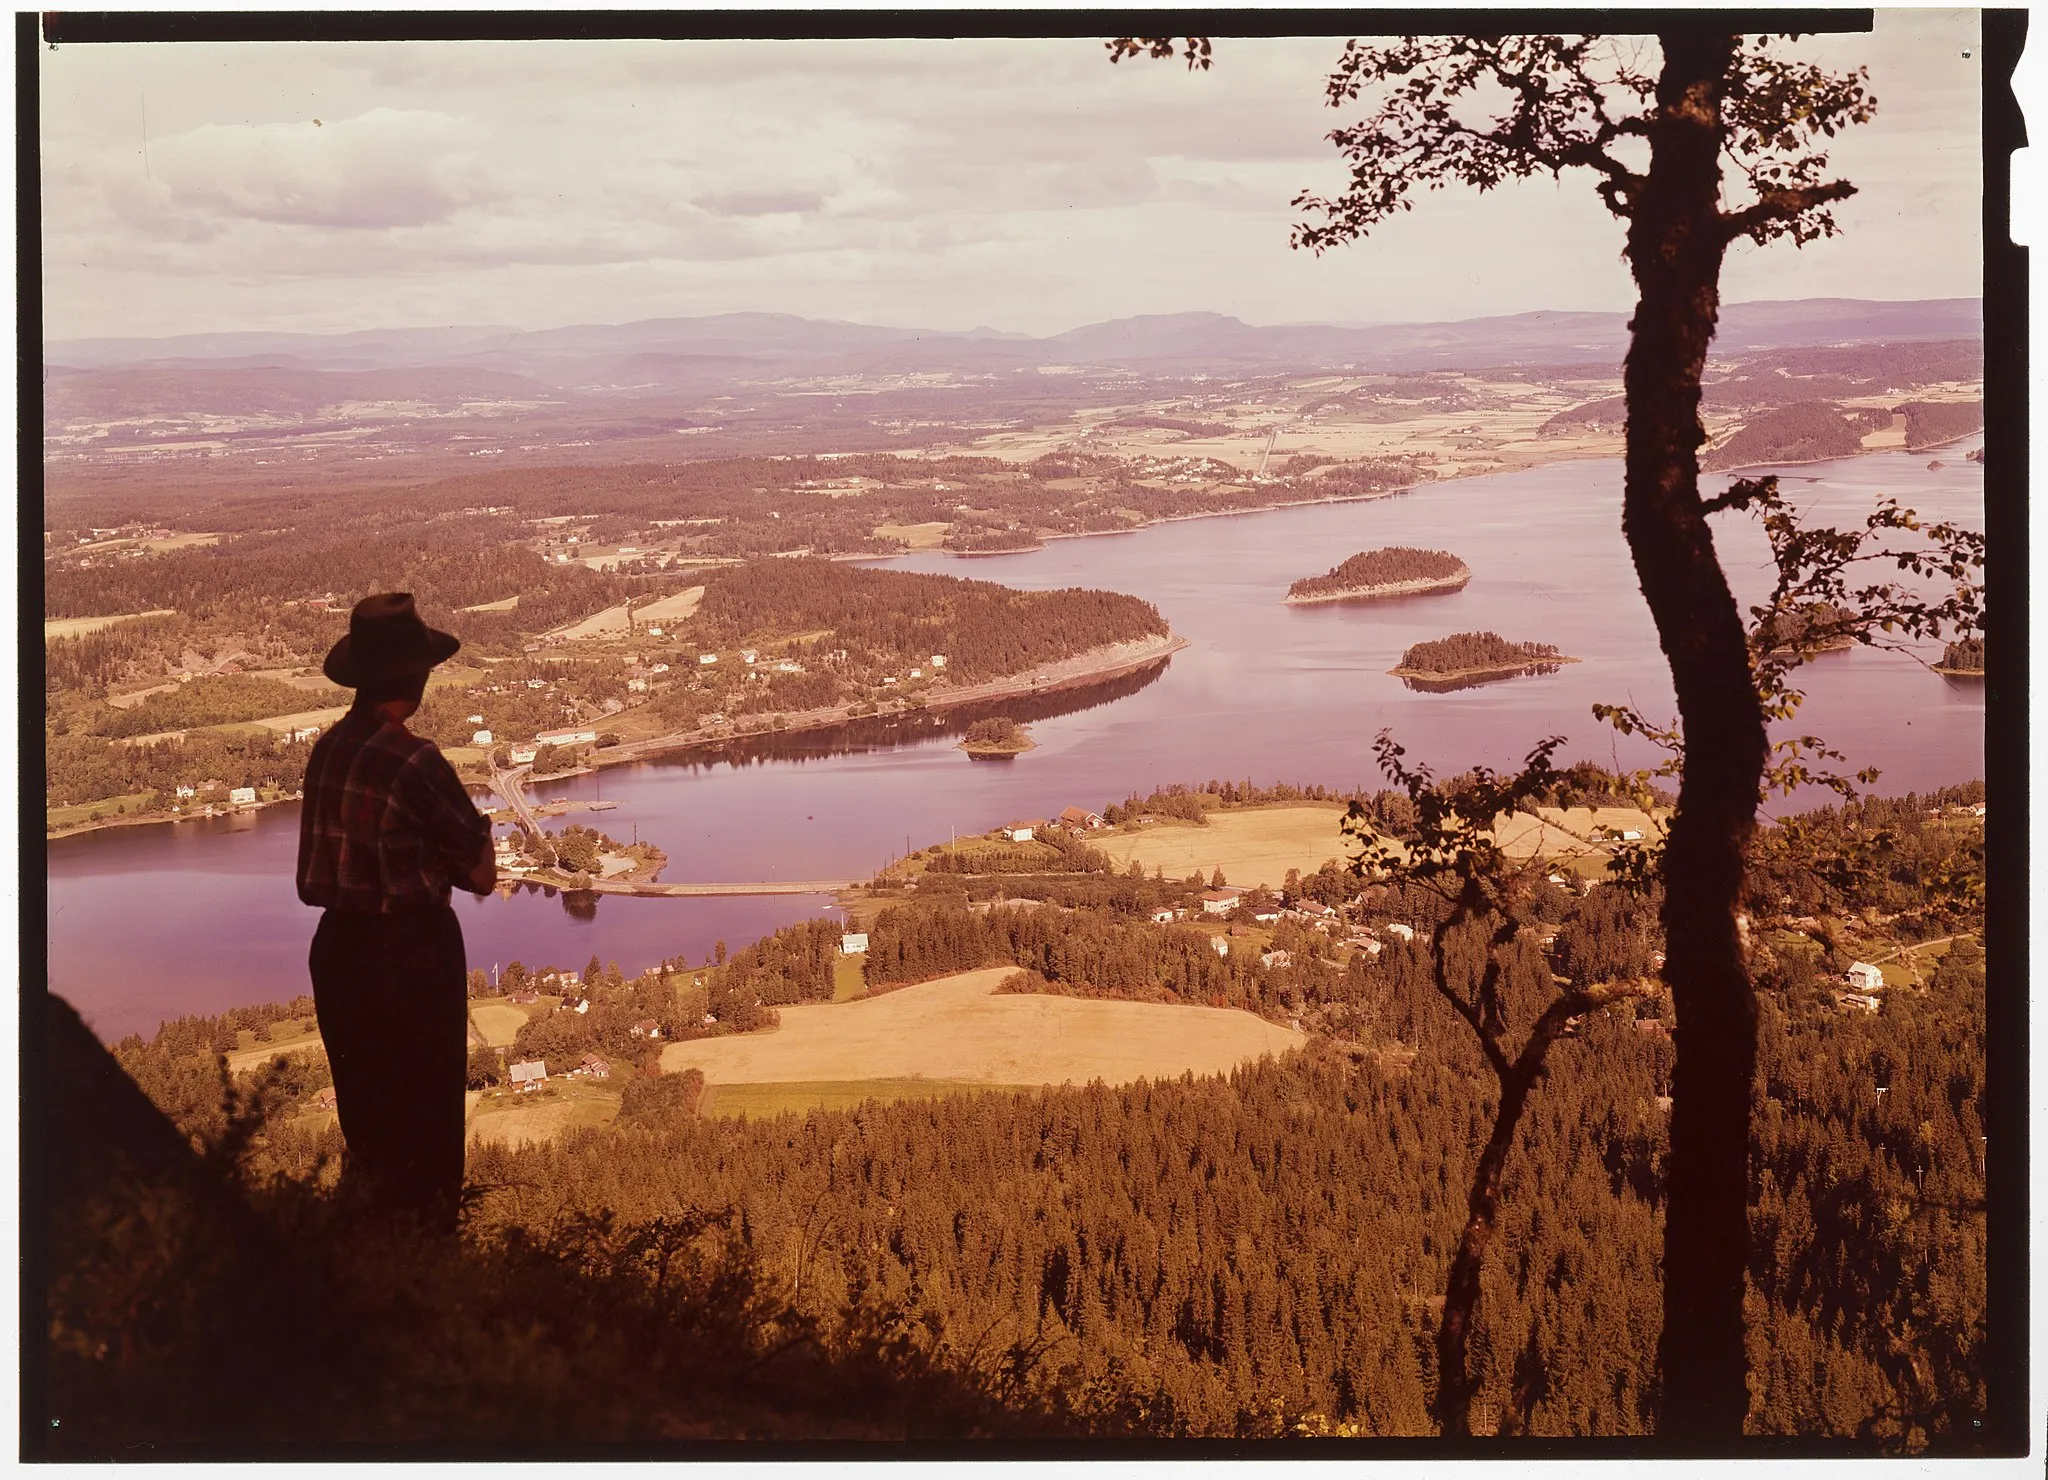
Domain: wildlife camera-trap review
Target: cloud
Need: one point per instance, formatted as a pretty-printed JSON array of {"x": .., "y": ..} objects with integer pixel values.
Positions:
[
  {"x": 386, "y": 168},
  {"x": 760, "y": 202}
]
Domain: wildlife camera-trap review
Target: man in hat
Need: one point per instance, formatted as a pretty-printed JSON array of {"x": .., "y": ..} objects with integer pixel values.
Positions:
[{"x": 384, "y": 832}]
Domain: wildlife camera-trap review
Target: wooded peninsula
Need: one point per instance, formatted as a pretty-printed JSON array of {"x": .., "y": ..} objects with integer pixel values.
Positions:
[{"x": 1396, "y": 570}]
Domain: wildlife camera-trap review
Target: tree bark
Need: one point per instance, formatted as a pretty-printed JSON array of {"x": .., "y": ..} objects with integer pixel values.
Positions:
[
  {"x": 1461, "y": 1291},
  {"x": 1675, "y": 246}
]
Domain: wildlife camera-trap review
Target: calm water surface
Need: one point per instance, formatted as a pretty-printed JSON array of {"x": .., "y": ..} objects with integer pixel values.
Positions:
[{"x": 150, "y": 922}]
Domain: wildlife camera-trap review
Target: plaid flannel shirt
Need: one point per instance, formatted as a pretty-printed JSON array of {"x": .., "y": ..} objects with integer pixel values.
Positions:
[{"x": 385, "y": 824}]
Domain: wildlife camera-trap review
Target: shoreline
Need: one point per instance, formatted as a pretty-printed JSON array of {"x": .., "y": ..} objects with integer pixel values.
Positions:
[
  {"x": 1417, "y": 587},
  {"x": 1491, "y": 670},
  {"x": 1112, "y": 661},
  {"x": 141, "y": 819}
]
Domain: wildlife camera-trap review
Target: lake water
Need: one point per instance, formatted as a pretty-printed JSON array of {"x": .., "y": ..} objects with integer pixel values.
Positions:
[{"x": 149, "y": 922}]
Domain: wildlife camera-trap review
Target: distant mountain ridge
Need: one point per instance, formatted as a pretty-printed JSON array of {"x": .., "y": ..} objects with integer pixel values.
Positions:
[{"x": 695, "y": 352}]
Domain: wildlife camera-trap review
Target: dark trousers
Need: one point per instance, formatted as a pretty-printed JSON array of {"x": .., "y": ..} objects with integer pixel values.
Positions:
[{"x": 392, "y": 998}]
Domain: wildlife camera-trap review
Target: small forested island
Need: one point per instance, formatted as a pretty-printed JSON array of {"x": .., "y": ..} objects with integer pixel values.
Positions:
[
  {"x": 1963, "y": 659},
  {"x": 1474, "y": 657},
  {"x": 1397, "y": 570},
  {"x": 1792, "y": 631},
  {"x": 997, "y": 735}
]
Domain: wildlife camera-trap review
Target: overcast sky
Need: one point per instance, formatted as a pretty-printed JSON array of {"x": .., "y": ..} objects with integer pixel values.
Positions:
[{"x": 1024, "y": 185}]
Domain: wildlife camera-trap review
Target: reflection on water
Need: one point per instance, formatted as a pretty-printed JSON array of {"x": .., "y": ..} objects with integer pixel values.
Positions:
[
  {"x": 894, "y": 731},
  {"x": 580, "y": 904},
  {"x": 1476, "y": 680}
]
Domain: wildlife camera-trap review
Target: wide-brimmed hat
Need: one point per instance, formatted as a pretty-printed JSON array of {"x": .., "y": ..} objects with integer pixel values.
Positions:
[{"x": 386, "y": 639}]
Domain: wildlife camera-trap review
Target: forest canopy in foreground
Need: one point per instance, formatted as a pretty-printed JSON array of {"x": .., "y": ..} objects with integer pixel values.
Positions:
[
  {"x": 1253, "y": 1256},
  {"x": 1393, "y": 565}
]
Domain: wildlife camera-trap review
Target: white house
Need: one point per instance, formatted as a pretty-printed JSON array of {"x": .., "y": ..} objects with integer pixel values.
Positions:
[
  {"x": 1400, "y": 931},
  {"x": 528, "y": 1076},
  {"x": 566, "y": 737},
  {"x": 1275, "y": 958},
  {"x": 747, "y": 655},
  {"x": 1164, "y": 916},
  {"x": 853, "y": 943},
  {"x": 1219, "y": 945},
  {"x": 787, "y": 666},
  {"x": 522, "y": 755},
  {"x": 707, "y": 659},
  {"x": 1858, "y": 999},
  {"x": 1221, "y": 901},
  {"x": 243, "y": 796},
  {"x": 476, "y": 719},
  {"x": 1863, "y": 977},
  {"x": 186, "y": 791},
  {"x": 938, "y": 660},
  {"x": 654, "y": 632},
  {"x": 481, "y": 737},
  {"x": 917, "y": 673},
  {"x": 657, "y": 668},
  {"x": 303, "y": 732},
  {"x": 636, "y": 685}
]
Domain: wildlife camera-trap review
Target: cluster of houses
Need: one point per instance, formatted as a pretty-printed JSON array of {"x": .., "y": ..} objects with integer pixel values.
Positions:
[
  {"x": 1073, "y": 819},
  {"x": 533, "y": 1073}
]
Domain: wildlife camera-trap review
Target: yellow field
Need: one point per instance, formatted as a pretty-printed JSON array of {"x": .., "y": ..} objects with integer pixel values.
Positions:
[
  {"x": 1255, "y": 846},
  {"x": 847, "y": 981},
  {"x": 321, "y": 717},
  {"x": 611, "y": 622},
  {"x": 500, "y": 1022},
  {"x": 917, "y": 536},
  {"x": 674, "y": 608},
  {"x": 1564, "y": 834},
  {"x": 508, "y": 604},
  {"x": 543, "y": 1118},
  {"x": 287, "y": 1041},
  {"x": 79, "y": 626},
  {"x": 956, "y": 1028}
]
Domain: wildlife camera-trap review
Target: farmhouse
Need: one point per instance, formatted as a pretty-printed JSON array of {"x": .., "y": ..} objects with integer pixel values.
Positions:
[
  {"x": 522, "y": 755},
  {"x": 529, "y": 1076},
  {"x": 595, "y": 1067},
  {"x": 243, "y": 796},
  {"x": 1079, "y": 818},
  {"x": 1023, "y": 832},
  {"x": 325, "y": 1099},
  {"x": 1850, "y": 1000},
  {"x": 1863, "y": 977},
  {"x": 646, "y": 1028},
  {"x": 854, "y": 943},
  {"x": 1221, "y": 901},
  {"x": 1219, "y": 945},
  {"x": 1165, "y": 916}
]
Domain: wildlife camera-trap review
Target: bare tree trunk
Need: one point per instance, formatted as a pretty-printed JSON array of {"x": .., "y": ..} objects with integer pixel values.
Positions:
[
  {"x": 1675, "y": 246},
  {"x": 1461, "y": 1291}
]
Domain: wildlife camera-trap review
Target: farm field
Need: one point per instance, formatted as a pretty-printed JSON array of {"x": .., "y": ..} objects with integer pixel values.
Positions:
[
  {"x": 758, "y": 1101},
  {"x": 959, "y": 1029},
  {"x": 80, "y": 626},
  {"x": 499, "y": 1022},
  {"x": 1565, "y": 833},
  {"x": 544, "y": 1117},
  {"x": 674, "y": 608},
  {"x": 1255, "y": 846}
]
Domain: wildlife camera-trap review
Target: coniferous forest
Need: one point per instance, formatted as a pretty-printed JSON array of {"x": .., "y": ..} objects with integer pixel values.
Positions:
[{"x": 1255, "y": 1255}]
